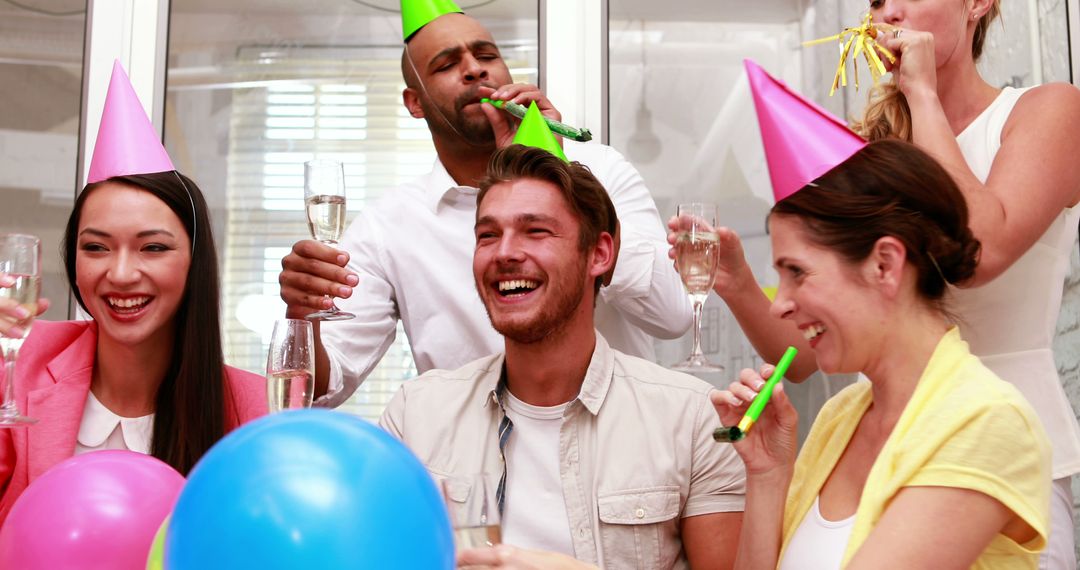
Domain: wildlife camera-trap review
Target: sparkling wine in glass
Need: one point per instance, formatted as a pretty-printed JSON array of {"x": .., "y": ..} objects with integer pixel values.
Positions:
[
  {"x": 697, "y": 256},
  {"x": 324, "y": 201},
  {"x": 290, "y": 365},
  {"x": 20, "y": 259}
]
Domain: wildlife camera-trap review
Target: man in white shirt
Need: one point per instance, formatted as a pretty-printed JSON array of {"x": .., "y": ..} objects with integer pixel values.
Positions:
[
  {"x": 599, "y": 455},
  {"x": 407, "y": 257}
]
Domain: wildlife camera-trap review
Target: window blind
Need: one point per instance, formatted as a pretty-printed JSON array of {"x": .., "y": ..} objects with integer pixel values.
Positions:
[{"x": 305, "y": 103}]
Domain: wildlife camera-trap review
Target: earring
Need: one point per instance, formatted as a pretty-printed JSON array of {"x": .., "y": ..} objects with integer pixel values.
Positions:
[{"x": 974, "y": 16}]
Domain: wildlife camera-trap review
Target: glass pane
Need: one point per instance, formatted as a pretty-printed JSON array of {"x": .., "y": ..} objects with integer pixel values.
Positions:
[
  {"x": 681, "y": 112},
  {"x": 257, "y": 88},
  {"x": 41, "y": 62}
]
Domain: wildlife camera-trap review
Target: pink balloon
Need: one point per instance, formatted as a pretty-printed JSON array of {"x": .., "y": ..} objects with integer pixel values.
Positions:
[{"x": 95, "y": 510}]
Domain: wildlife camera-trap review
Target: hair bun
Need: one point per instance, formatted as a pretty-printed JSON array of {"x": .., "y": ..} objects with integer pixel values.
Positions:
[{"x": 957, "y": 256}]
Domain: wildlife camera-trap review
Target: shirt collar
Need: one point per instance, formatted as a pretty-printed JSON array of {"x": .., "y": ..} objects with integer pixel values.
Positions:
[
  {"x": 494, "y": 382},
  {"x": 949, "y": 354},
  {"x": 440, "y": 187},
  {"x": 98, "y": 422},
  {"x": 594, "y": 388}
]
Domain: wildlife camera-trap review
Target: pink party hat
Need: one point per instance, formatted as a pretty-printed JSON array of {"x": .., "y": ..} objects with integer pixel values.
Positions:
[
  {"x": 802, "y": 140},
  {"x": 126, "y": 141}
]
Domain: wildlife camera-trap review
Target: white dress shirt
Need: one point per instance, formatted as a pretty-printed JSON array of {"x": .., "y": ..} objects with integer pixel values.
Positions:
[{"x": 413, "y": 253}]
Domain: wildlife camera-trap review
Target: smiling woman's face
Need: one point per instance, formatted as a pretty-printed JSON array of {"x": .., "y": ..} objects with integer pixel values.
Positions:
[
  {"x": 131, "y": 263},
  {"x": 833, "y": 307}
]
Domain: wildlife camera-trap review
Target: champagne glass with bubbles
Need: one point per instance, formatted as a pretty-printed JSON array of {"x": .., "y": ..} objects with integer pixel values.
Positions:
[
  {"x": 20, "y": 259},
  {"x": 324, "y": 201},
  {"x": 290, "y": 365},
  {"x": 697, "y": 255}
]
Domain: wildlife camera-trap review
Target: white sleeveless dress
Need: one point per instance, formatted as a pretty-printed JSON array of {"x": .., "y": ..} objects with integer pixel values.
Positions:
[{"x": 1010, "y": 321}]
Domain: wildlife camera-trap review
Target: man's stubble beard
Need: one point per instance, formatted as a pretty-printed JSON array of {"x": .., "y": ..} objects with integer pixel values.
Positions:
[
  {"x": 551, "y": 320},
  {"x": 452, "y": 124}
]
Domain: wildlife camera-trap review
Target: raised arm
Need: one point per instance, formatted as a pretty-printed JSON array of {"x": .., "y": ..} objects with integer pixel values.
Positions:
[
  {"x": 736, "y": 285},
  {"x": 309, "y": 273},
  {"x": 769, "y": 454},
  {"x": 13, "y": 316},
  {"x": 346, "y": 351},
  {"x": 644, "y": 287},
  {"x": 1035, "y": 174}
]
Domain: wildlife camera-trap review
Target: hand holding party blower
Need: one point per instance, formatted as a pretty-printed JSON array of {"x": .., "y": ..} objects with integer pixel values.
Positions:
[
  {"x": 735, "y": 433},
  {"x": 573, "y": 133}
]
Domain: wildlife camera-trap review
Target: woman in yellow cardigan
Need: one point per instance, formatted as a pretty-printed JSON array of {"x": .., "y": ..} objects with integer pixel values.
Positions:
[{"x": 934, "y": 463}]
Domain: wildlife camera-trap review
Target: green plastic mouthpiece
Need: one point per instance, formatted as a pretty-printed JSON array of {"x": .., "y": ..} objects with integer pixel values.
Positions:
[
  {"x": 735, "y": 433},
  {"x": 562, "y": 129}
]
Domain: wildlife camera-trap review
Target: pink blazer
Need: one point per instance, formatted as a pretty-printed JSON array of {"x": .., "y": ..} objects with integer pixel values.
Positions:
[{"x": 52, "y": 381}]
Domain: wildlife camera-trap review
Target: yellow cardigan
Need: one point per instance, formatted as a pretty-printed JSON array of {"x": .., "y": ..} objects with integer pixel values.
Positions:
[{"x": 964, "y": 427}]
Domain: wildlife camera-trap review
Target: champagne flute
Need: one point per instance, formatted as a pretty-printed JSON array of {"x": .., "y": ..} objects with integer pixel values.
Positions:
[
  {"x": 324, "y": 201},
  {"x": 473, "y": 509},
  {"x": 697, "y": 255},
  {"x": 290, "y": 365},
  {"x": 20, "y": 259}
]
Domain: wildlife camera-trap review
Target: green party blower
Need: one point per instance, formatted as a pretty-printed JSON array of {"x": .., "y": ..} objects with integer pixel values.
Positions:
[
  {"x": 580, "y": 135},
  {"x": 735, "y": 433}
]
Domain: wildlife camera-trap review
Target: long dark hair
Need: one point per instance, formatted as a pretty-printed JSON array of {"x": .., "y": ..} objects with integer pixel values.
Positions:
[
  {"x": 194, "y": 383},
  {"x": 891, "y": 188}
]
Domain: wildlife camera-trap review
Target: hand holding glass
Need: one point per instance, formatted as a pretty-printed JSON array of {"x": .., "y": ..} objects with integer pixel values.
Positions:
[
  {"x": 474, "y": 511},
  {"x": 290, "y": 365},
  {"x": 20, "y": 260},
  {"x": 324, "y": 202},
  {"x": 697, "y": 256}
]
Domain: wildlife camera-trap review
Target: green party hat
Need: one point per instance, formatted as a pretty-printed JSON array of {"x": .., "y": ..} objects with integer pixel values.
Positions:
[
  {"x": 416, "y": 14},
  {"x": 535, "y": 132}
]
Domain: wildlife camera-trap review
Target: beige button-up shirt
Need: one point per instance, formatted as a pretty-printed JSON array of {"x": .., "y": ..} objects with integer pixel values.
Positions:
[{"x": 636, "y": 452}]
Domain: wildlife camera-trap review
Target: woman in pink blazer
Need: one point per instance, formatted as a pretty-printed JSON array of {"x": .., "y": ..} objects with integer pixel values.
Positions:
[{"x": 147, "y": 373}]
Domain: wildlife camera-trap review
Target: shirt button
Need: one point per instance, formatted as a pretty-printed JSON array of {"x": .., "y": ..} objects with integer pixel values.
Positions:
[
  {"x": 581, "y": 532},
  {"x": 640, "y": 513}
]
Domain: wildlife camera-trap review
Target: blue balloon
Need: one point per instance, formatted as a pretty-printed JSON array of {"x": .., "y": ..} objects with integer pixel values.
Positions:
[{"x": 309, "y": 489}]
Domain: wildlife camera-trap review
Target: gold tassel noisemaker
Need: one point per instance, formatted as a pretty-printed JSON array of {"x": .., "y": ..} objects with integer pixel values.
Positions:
[{"x": 855, "y": 42}]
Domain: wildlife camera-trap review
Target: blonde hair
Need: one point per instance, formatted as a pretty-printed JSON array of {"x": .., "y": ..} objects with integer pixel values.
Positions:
[{"x": 887, "y": 114}]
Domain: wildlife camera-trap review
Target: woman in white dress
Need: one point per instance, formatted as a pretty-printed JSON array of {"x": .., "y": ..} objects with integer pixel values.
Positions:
[{"x": 1013, "y": 154}]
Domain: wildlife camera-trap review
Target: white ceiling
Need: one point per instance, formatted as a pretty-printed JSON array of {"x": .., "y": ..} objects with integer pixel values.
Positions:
[
  {"x": 675, "y": 10},
  {"x": 772, "y": 11}
]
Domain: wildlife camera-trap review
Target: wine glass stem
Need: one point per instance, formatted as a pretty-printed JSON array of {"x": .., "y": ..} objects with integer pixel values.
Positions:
[
  {"x": 8, "y": 407},
  {"x": 697, "y": 327},
  {"x": 333, "y": 306}
]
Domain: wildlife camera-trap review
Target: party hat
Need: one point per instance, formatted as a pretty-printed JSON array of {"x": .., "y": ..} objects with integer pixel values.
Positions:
[
  {"x": 416, "y": 14},
  {"x": 802, "y": 140},
  {"x": 534, "y": 131},
  {"x": 126, "y": 141}
]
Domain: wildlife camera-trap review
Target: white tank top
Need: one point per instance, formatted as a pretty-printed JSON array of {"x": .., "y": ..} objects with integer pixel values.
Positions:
[
  {"x": 817, "y": 544},
  {"x": 1010, "y": 321}
]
